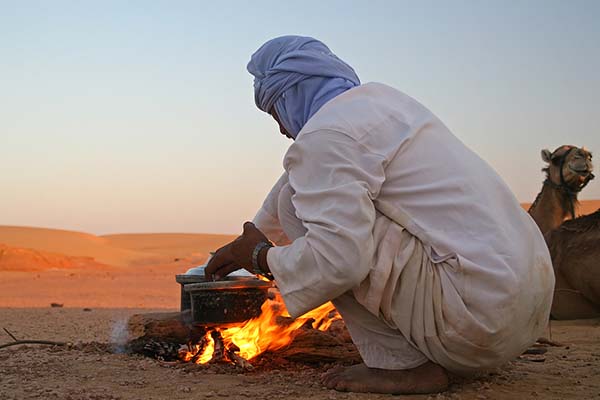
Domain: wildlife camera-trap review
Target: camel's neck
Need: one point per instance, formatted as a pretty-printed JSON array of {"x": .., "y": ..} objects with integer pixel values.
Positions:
[{"x": 552, "y": 207}]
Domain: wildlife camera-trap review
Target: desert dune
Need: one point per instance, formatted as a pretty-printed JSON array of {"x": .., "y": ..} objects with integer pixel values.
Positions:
[
  {"x": 585, "y": 206},
  {"x": 122, "y": 250},
  {"x": 39, "y": 266},
  {"x": 67, "y": 243},
  {"x": 171, "y": 245},
  {"x": 20, "y": 259}
]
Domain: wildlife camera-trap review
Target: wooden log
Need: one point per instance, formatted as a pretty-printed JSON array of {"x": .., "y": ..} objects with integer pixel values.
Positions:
[
  {"x": 314, "y": 346},
  {"x": 239, "y": 361},
  {"x": 171, "y": 327},
  {"x": 160, "y": 335},
  {"x": 219, "y": 347},
  {"x": 197, "y": 351}
]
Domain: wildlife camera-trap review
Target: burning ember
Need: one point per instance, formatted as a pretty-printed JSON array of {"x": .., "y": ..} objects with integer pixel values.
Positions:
[{"x": 272, "y": 330}]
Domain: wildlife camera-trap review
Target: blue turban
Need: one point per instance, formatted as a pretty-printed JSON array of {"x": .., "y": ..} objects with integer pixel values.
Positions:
[{"x": 297, "y": 75}]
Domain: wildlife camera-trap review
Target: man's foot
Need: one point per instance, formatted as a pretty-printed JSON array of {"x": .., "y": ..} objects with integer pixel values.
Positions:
[{"x": 426, "y": 378}]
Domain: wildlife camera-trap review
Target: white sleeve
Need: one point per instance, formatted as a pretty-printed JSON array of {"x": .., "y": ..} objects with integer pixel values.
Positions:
[
  {"x": 266, "y": 218},
  {"x": 335, "y": 180}
]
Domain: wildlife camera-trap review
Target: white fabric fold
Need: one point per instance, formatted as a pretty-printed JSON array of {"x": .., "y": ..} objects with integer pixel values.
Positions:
[{"x": 425, "y": 233}]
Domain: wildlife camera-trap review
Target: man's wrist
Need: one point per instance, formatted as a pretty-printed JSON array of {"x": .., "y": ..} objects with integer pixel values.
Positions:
[
  {"x": 260, "y": 265},
  {"x": 262, "y": 259}
]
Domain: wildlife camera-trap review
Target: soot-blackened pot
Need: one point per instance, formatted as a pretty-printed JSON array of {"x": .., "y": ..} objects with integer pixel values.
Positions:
[{"x": 233, "y": 299}]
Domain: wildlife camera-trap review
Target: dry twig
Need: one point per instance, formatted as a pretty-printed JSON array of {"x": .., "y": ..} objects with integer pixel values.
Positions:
[
  {"x": 550, "y": 342},
  {"x": 10, "y": 334},
  {"x": 240, "y": 361},
  {"x": 50, "y": 342}
]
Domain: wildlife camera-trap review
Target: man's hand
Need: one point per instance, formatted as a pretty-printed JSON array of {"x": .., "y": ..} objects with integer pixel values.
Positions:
[{"x": 237, "y": 254}]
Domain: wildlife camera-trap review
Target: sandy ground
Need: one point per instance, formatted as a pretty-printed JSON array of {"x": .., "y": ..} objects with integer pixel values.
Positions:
[
  {"x": 89, "y": 370},
  {"x": 102, "y": 280}
]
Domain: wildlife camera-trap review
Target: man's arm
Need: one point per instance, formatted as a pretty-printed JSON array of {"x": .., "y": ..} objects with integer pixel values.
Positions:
[
  {"x": 266, "y": 219},
  {"x": 334, "y": 179}
]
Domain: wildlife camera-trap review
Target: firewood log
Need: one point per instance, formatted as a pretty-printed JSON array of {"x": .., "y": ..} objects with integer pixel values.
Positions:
[
  {"x": 168, "y": 327},
  {"x": 314, "y": 346}
]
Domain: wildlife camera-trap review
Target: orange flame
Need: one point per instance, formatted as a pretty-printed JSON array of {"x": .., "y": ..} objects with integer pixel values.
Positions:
[
  {"x": 269, "y": 331},
  {"x": 208, "y": 351},
  {"x": 198, "y": 354}
]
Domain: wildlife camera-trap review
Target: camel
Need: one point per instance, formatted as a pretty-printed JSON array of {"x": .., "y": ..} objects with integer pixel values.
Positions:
[
  {"x": 575, "y": 251},
  {"x": 569, "y": 170},
  {"x": 573, "y": 244}
]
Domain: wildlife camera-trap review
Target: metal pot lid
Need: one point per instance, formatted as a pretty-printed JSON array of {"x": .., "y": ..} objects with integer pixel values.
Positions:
[
  {"x": 188, "y": 279},
  {"x": 227, "y": 284}
]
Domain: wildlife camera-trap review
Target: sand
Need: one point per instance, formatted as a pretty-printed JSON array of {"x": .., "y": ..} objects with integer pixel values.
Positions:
[
  {"x": 89, "y": 370},
  {"x": 43, "y": 266},
  {"x": 585, "y": 206},
  {"x": 115, "y": 276},
  {"x": 124, "y": 250}
]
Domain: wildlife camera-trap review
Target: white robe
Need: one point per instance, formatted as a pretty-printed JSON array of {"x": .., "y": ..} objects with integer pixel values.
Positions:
[{"x": 423, "y": 232}]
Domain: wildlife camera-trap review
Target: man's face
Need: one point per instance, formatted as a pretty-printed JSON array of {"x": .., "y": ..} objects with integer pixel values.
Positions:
[{"x": 281, "y": 128}]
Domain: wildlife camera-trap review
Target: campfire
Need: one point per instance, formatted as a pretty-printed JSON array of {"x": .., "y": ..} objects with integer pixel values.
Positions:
[
  {"x": 232, "y": 322},
  {"x": 272, "y": 330}
]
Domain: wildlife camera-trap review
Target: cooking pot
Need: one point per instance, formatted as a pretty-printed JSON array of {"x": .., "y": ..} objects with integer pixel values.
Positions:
[{"x": 234, "y": 298}]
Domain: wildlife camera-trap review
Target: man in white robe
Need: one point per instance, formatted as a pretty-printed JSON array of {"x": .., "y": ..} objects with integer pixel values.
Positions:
[{"x": 421, "y": 246}]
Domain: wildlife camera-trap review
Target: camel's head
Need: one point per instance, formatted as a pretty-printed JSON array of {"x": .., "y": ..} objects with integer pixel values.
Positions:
[{"x": 569, "y": 167}]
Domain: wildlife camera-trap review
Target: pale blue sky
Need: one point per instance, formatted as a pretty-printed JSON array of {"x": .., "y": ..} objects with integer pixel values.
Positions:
[{"x": 139, "y": 116}]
